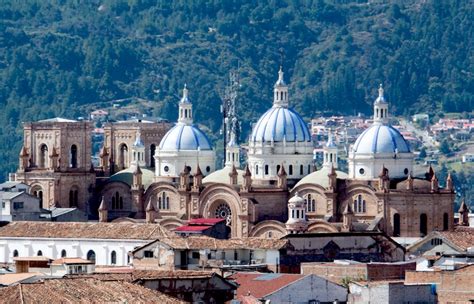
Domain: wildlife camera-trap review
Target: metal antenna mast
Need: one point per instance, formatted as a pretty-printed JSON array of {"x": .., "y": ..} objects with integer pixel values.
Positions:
[{"x": 230, "y": 123}]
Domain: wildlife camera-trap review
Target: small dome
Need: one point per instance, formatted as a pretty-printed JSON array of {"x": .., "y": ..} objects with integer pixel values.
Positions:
[
  {"x": 381, "y": 139},
  {"x": 185, "y": 137},
  {"x": 320, "y": 177},
  {"x": 126, "y": 176},
  {"x": 279, "y": 123},
  {"x": 222, "y": 176}
]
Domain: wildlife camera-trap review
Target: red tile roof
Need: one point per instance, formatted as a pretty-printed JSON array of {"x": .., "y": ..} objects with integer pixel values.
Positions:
[
  {"x": 192, "y": 228},
  {"x": 259, "y": 285},
  {"x": 463, "y": 237},
  {"x": 205, "y": 221}
]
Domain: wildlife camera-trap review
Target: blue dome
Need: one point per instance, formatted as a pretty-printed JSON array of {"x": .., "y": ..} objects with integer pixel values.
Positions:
[
  {"x": 185, "y": 137},
  {"x": 278, "y": 123},
  {"x": 381, "y": 139}
]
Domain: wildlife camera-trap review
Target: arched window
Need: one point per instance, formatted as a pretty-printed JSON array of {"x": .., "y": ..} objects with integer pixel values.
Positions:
[
  {"x": 73, "y": 197},
  {"x": 38, "y": 192},
  {"x": 73, "y": 156},
  {"x": 396, "y": 224},
  {"x": 309, "y": 169},
  {"x": 423, "y": 224},
  {"x": 15, "y": 253},
  {"x": 359, "y": 204},
  {"x": 152, "y": 155},
  {"x": 290, "y": 170},
  {"x": 163, "y": 200},
  {"x": 63, "y": 253},
  {"x": 43, "y": 156},
  {"x": 266, "y": 169},
  {"x": 91, "y": 256},
  {"x": 301, "y": 169},
  {"x": 445, "y": 221},
  {"x": 278, "y": 169},
  {"x": 123, "y": 156},
  {"x": 310, "y": 203},
  {"x": 117, "y": 201},
  {"x": 113, "y": 258},
  {"x": 39, "y": 253},
  {"x": 256, "y": 169}
]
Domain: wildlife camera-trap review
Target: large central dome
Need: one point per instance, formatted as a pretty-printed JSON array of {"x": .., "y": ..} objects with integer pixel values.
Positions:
[
  {"x": 278, "y": 124},
  {"x": 381, "y": 139}
]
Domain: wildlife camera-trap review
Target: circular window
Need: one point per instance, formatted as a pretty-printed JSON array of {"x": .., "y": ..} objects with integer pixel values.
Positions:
[
  {"x": 208, "y": 169},
  {"x": 405, "y": 171},
  {"x": 166, "y": 168},
  {"x": 361, "y": 171},
  {"x": 223, "y": 211}
]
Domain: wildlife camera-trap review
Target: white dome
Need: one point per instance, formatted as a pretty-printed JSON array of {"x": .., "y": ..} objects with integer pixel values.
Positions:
[
  {"x": 381, "y": 139},
  {"x": 185, "y": 137},
  {"x": 280, "y": 123}
]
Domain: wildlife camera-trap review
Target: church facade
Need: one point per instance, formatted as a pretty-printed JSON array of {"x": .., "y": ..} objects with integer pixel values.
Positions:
[{"x": 148, "y": 166}]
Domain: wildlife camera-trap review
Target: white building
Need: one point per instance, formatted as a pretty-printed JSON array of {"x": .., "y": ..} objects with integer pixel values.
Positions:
[
  {"x": 379, "y": 146},
  {"x": 104, "y": 243},
  {"x": 185, "y": 145},
  {"x": 279, "y": 137}
]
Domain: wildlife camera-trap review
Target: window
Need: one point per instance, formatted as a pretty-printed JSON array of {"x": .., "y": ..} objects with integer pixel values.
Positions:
[
  {"x": 359, "y": 204},
  {"x": 266, "y": 169},
  {"x": 117, "y": 201},
  {"x": 309, "y": 169},
  {"x": 290, "y": 170},
  {"x": 301, "y": 169},
  {"x": 445, "y": 221},
  {"x": 73, "y": 197},
  {"x": 256, "y": 169},
  {"x": 63, "y": 253},
  {"x": 18, "y": 205},
  {"x": 148, "y": 254},
  {"x": 208, "y": 169},
  {"x": 278, "y": 169},
  {"x": 270, "y": 234},
  {"x": 123, "y": 156},
  {"x": 310, "y": 203},
  {"x": 91, "y": 256},
  {"x": 396, "y": 224},
  {"x": 15, "y": 253},
  {"x": 113, "y": 258},
  {"x": 163, "y": 200},
  {"x": 39, "y": 253},
  {"x": 436, "y": 242},
  {"x": 73, "y": 156},
  {"x": 195, "y": 255},
  {"x": 3, "y": 205},
  {"x": 361, "y": 171},
  {"x": 405, "y": 171},
  {"x": 43, "y": 156},
  {"x": 423, "y": 224},
  {"x": 236, "y": 256},
  {"x": 166, "y": 168}
]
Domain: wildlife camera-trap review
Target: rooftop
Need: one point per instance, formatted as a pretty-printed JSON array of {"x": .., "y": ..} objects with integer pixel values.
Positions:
[
  {"x": 261, "y": 284},
  {"x": 83, "y": 230},
  {"x": 70, "y": 261},
  {"x": 83, "y": 290},
  {"x": 205, "y": 221}
]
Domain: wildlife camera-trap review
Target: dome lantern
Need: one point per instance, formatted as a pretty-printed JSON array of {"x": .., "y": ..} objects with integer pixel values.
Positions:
[
  {"x": 280, "y": 91},
  {"x": 380, "y": 108}
]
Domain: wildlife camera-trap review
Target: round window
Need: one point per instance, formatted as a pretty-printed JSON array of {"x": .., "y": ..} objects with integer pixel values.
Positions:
[
  {"x": 405, "y": 171},
  {"x": 208, "y": 169},
  {"x": 166, "y": 168},
  {"x": 361, "y": 171}
]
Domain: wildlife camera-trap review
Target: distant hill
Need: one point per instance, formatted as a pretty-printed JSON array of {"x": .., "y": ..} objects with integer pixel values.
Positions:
[{"x": 56, "y": 56}]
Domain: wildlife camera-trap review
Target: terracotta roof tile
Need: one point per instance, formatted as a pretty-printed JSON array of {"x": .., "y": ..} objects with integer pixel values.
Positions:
[
  {"x": 203, "y": 242},
  {"x": 88, "y": 230},
  {"x": 83, "y": 290},
  {"x": 462, "y": 237},
  {"x": 259, "y": 285}
]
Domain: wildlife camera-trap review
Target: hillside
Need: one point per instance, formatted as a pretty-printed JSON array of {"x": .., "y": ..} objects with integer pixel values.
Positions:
[{"x": 56, "y": 56}]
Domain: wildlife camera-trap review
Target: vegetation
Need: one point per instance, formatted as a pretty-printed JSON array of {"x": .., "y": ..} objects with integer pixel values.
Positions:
[{"x": 57, "y": 56}]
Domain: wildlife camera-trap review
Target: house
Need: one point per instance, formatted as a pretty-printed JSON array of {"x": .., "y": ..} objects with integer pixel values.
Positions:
[
  {"x": 203, "y": 252},
  {"x": 61, "y": 267},
  {"x": 17, "y": 278},
  {"x": 14, "y": 186},
  {"x": 187, "y": 285},
  {"x": 327, "y": 247},
  {"x": 55, "y": 214},
  {"x": 19, "y": 206},
  {"x": 391, "y": 291},
  {"x": 451, "y": 286},
  {"x": 99, "y": 115},
  {"x": 213, "y": 227},
  {"x": 287, "y": 288},
  {"x": 82, "y": 290},
  {"x": 341, "y": 271},
  {"x": 104, "y": 243},
  {"x": 444, "y": 248}
]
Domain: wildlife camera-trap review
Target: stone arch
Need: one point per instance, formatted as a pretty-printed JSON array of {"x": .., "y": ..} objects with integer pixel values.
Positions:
[
  {"x": 367, "y": 194},
  {"x": 73, "y": 156},
  {"x": 216, "y": 195},
  {"x": 317, "y": 194},
  {"x": 154, "y": 193},
  {"x": 320, "y": 226},
  {"x": 37, "y": 190},
  {"x": 268, "y": 229},
  {"x": 123, "y": 156},
  {"x": 170, "y": 223},
  {"x": 43, "y": 156}
]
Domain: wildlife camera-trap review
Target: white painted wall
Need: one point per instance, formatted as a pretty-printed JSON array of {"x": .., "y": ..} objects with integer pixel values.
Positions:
[{"x": 52, "y": 247}]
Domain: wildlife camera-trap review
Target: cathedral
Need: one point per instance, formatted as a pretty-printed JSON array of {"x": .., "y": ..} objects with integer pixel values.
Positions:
[{"x": 146, "y": 166}]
